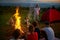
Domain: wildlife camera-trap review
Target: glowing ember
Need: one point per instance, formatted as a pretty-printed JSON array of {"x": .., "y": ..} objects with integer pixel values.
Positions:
[{"x": 18, "y": 20}]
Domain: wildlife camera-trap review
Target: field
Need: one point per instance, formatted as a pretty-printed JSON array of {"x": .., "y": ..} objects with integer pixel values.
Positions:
[{"x": 6, "y": 13}]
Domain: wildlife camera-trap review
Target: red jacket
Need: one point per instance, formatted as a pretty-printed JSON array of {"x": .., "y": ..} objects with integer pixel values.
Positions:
[{"x": 33, "y": 36}]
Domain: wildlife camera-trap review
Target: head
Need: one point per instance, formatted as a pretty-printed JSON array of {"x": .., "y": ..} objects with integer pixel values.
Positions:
[
  {"x": 47, "y": 24},
  {"x": 53, "y": 7},
  {"x": 34, "y": 24},
  {"x": 16, "y": 33},
  {"x": 48, "y": 8},
  {"x": 31, "y": 28},
  {"x": 36, "y": 5}
]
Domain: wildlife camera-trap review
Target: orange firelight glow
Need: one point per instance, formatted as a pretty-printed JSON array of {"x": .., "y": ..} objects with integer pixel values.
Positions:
[{"x": 18, "y": 20}]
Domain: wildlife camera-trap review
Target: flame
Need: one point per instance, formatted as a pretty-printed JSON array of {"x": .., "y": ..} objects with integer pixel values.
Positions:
[{"x": 18, "y": 20}]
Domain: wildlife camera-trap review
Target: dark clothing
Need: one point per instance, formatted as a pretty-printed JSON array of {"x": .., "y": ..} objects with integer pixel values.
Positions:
[
  {"x": 38, "y": 31},
  {"x": 43, "y": 34}
]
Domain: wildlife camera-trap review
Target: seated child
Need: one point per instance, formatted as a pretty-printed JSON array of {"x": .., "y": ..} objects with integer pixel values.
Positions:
[{"x": 32, "y": 35}]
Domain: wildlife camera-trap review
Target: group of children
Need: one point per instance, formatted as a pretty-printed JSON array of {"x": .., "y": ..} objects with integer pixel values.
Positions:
[{"x": 34, "y": 33}]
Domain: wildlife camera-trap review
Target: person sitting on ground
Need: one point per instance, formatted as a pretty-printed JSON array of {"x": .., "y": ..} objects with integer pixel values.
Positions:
[
  {"x": 15, "y": 35},
  {"x": 32, "y": 35},
  {"x": 49, "y": 31},
  {"x": 35, "y": 24}
]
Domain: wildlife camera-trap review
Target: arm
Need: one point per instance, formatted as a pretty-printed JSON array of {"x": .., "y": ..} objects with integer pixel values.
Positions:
[{"x": 37, "y": 23}]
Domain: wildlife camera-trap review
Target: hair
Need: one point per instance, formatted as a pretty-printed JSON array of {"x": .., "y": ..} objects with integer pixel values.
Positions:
[
  {"x": 53, "y": 7},
  {"x": 34, "y": 24},
  {"x": 48, "y": 8},
  {"x": 37, "y": 5},
  {"x": 47, "y": 23},
  {"x": 16, "y": 33},
  {"x": 31, "y": 28}
]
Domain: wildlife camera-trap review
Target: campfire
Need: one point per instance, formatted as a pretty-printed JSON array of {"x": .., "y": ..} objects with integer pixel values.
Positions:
[{"x": 18, "y": 20}]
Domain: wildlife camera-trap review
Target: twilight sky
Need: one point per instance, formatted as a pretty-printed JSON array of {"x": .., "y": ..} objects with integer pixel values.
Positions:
[{"x": 29, "y": 1}]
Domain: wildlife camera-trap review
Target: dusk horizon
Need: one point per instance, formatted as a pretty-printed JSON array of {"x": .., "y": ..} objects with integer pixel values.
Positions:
[{"x": 31, "y": 4}]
